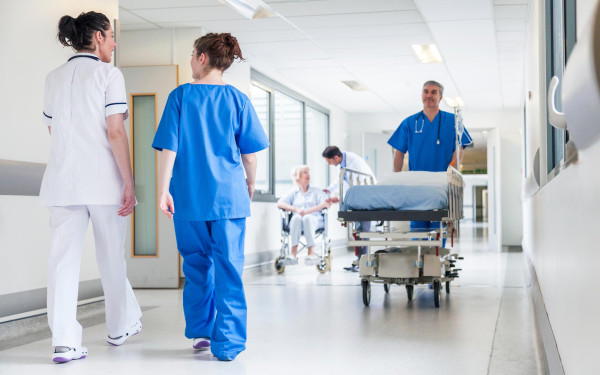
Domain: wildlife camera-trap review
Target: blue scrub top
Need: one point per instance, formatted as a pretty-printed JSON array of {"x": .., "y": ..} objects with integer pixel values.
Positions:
[
  {"x": 418, "y": 136},
  {"x": 209, "y": 127}
]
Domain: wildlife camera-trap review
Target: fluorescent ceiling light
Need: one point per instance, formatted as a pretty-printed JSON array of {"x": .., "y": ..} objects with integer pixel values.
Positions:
[
  {"x": 355, "y": 85},
  {"x": 250, "y": 8},
  {"x": 427, "y": 53},
  {"x": 454, "y": 102}
]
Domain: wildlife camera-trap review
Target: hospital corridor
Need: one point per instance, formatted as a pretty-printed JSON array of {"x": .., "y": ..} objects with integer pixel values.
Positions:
[{"x": 299, "y": 186}]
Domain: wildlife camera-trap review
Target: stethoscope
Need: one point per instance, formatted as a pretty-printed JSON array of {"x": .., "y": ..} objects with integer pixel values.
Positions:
[{"x": 422, "y": 115}]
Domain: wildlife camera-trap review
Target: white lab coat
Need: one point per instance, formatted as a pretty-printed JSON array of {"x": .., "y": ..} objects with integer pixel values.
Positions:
[
  {"x": 354, "y": 162},
  {"x": 82, "y": 183}
]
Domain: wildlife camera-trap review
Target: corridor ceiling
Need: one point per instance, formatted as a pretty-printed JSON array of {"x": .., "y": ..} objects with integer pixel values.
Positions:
[{"x": 319, "y": 43}]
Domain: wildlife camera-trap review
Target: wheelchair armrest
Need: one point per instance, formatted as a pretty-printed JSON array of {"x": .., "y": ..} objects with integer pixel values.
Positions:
[{"x": 285, "y": 219}]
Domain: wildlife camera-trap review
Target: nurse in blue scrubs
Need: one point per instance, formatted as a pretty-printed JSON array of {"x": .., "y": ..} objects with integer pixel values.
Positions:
[
  {"x": 429, "y": 138},
  {"x": 209, "y": 134}
]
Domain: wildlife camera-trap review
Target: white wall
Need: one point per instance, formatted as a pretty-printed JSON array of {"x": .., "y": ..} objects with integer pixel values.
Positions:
[
  {"x": 31, "y": 50},
  {"x": 561, "y": 221},
  {"x": 174, "y": 46}
]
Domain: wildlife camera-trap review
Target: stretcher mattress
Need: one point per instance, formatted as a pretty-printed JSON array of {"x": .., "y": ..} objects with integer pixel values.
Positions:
[{"x": 396, "y": 197}]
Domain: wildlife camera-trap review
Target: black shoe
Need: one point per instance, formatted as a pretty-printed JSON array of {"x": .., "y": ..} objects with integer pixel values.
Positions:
[{"x": 352, "y": 268}]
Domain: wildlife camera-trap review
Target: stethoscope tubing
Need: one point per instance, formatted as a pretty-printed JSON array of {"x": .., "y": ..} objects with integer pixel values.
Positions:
[{"x": 422, "y": 115}]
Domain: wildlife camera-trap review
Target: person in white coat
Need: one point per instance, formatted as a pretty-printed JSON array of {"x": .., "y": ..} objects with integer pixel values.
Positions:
[
  {"x": 88, "y": 177},
  {"x": 349, "y": 160}
]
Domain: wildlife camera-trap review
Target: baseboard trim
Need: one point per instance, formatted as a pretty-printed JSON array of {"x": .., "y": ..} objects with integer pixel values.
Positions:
[
  {"x": 550, "y": 349},
  {"x": 32, "y": 300}
]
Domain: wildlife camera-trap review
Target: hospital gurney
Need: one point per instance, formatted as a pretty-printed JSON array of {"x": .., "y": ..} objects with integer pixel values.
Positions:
[{"x": 409, "y": 257}]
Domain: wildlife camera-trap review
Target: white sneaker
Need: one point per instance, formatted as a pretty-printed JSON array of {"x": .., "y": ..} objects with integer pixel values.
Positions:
[
  {"x": 311, "y": 260},
  {"x": 69, "y": 355},
  {"x": 133, "y": 330},
  {"x": 201, "y": 343},
  {"x": 290, "y": 260}
]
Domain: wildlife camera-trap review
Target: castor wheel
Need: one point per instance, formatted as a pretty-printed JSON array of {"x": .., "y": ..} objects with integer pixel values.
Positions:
[
  {"x": 366, "y": 292},
  {"x": 409, "y": 291}
]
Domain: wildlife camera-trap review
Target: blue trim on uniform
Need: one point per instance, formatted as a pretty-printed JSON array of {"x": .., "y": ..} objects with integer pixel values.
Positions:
[
  {"x": 46, "y": 114},
  {"x": 113, "y": 104},
  {"x": 88, "y": 56}
]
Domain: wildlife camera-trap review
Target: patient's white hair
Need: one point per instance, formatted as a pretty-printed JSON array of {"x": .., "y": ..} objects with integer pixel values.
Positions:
[{"x": 296, "y": 172}]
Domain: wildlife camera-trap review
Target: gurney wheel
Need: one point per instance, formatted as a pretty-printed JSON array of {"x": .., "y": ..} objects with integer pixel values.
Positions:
[
  {"x": 279, "y": 267},
  {"x": 409, "y": 291},
  {"x": 325, "y": 266},
  {"x": 386, "y": 287},
  {"x": 366, "y": 292},
  {"x": 436, "y": 293},
  {"x": 447, "y": 287}
]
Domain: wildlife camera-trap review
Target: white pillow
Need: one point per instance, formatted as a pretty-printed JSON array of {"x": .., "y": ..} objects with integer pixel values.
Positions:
[{"x": 415, "y": 178}]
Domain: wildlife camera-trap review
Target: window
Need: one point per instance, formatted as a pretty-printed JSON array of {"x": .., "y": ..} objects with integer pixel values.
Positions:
[
  {"x": 317, "y": 129},
  {"x": 288, "y": 140},
  {"x": 560, "y": 39},
  {"x": 299, "y": 132},
  {"x": 260, "y": 99}
]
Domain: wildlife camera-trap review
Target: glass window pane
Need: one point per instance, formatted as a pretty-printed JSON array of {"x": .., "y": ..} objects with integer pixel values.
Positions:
[
  {"x": 144, "y": 173},
  {"x": 288, "y": 140},
  {"x": 260, "y": 100},
  {"x": 316, "y": 136}
]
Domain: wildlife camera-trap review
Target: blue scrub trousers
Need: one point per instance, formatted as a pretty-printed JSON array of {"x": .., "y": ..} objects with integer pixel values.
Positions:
[{"x": 214, "y": 303}]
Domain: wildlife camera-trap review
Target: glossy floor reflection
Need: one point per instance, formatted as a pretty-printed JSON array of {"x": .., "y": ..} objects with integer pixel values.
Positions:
[{"x": 303, "y": 322}]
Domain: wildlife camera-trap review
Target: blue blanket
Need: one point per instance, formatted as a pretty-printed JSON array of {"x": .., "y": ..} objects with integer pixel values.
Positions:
[{"x": 395, "y": 197}]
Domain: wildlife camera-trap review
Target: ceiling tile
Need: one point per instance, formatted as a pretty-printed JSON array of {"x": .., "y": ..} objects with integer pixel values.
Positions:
[
  {"x": 360, "y": 19},
  {"x": 331, "y": 7},
  {"x": 470, "y": 40},
  {"x": 511, "y": 12},
  {"x": 444, "y": 10},
  {"x": 153, "y": 4},
  {"x": 511, "y": 25}
]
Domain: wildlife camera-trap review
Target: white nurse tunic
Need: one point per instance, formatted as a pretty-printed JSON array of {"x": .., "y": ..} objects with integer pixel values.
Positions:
[{"x": 79, "y": 95}]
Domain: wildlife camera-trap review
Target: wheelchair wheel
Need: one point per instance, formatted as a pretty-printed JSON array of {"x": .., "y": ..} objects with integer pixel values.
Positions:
[
  {"x": 325, "y": 265},
  {"x": 278, "y": 265}
]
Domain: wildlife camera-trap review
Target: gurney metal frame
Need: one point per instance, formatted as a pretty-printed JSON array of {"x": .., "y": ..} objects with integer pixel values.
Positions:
[{"x": 409, "y": 258}]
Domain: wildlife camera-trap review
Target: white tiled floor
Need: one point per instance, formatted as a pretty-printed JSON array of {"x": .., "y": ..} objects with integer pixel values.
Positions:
[{"x": 302, "y": 322}]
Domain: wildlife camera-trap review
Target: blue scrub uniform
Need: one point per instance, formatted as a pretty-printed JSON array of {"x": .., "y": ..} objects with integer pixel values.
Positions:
[
  {"x": 430, "y": 146},
  {"x": 210, "y": 127}
]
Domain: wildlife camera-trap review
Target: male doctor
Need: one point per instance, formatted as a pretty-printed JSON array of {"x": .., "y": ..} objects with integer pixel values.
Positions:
[
  {"x": 429, "y": 137},
  {"x": 349, "y": 160}
]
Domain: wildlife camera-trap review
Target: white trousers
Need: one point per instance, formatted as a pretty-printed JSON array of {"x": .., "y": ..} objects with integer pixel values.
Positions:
[
  {"x": 307, "y": 223},
  {"x": 68, "y": 226}
]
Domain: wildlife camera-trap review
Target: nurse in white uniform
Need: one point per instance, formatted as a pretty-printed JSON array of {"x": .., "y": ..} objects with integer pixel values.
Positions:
[{"x": 88, "y": 177}]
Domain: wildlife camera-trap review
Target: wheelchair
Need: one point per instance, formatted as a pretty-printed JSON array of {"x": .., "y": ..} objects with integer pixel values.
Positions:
[{"x": 321, "y": 237}]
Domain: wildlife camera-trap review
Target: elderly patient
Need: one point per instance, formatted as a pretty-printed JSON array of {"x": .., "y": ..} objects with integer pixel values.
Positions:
[{"x": 306, "y": 202}]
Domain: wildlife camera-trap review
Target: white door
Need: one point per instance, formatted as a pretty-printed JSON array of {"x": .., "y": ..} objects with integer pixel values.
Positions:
[{"x": 151, "y": 250}]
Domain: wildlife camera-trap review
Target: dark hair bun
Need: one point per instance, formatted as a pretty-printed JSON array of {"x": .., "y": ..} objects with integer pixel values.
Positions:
[
  {"x": 77, "y": 32},
  {"x": 221, "y": 49}
]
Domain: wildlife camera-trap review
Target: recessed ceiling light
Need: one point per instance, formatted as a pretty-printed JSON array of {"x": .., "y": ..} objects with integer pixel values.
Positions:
[
  {"x": 250, "y": 8},
  {"x": 355, "y": 85},
  {"x": 427, "y": 53}
]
